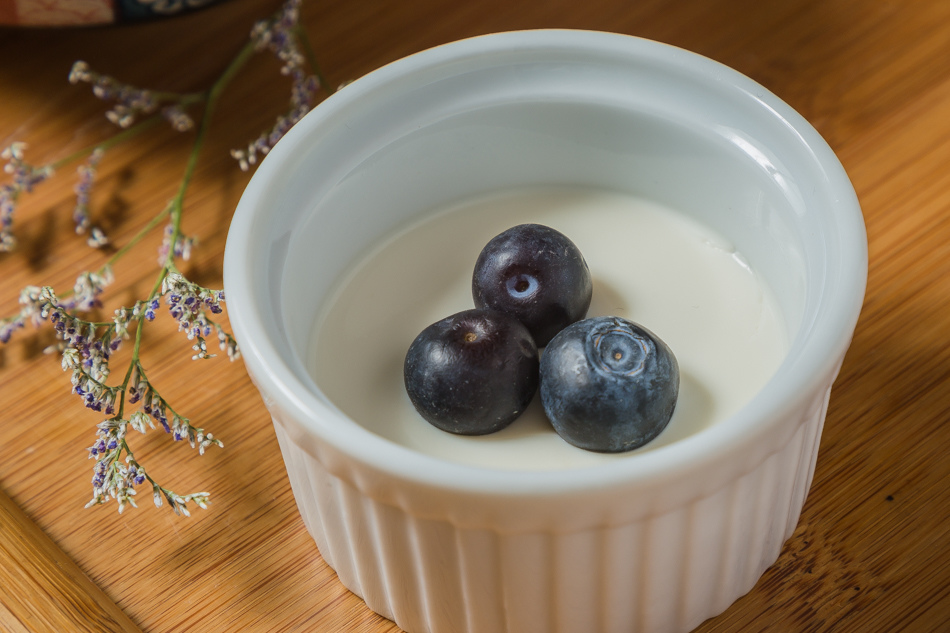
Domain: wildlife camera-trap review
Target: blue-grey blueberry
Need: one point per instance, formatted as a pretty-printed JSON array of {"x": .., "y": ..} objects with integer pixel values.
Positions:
[{"x": 608, "y": 385}]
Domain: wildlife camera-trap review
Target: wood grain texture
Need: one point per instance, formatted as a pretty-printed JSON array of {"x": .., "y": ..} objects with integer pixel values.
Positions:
[
  {"x": 43, "y": 589},
  {"x": 870, "y": 551}
]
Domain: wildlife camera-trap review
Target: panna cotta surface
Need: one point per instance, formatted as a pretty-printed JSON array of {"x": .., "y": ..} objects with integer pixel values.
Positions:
[{"x": 650, "y": 264}]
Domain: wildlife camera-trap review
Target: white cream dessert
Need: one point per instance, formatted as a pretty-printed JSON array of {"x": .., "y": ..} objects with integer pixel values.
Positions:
[{"x": 649, "y": 264}]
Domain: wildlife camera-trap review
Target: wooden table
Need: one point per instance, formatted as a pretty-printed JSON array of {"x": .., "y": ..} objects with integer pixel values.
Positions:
[{"x": 871, "y": 550}]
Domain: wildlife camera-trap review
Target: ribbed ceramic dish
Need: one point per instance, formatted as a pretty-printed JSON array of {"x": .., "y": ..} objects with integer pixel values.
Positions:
[{"x": 655, "y": 543}]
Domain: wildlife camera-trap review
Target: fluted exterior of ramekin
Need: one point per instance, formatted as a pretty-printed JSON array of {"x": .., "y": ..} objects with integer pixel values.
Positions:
[{"x": 664, "y": 573}]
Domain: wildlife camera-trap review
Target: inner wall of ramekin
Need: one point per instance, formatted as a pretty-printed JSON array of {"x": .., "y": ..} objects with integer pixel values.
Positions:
[{"x": 409, "y": 149}]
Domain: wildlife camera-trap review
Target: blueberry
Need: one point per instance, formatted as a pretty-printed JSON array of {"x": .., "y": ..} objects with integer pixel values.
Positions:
[
  {"x": 608, "y": 385},
  {"x": 535, "y": 274},
  {"x": 472, "y": 373}
]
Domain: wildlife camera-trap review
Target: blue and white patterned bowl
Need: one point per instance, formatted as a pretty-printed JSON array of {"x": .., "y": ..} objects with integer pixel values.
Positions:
[{"x": 42, "y": 13}]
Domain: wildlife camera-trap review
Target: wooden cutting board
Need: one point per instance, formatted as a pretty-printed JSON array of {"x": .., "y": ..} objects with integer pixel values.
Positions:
[{"x": 871, "y": 549}]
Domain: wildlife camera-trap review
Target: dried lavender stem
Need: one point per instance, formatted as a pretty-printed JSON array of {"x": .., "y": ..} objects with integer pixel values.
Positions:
[
  {"x": 176, "y": 206},
  {"x": 112, "y": 141},
  {"x": 135, "y": 239},
  {"x": 301, "y": 34}
]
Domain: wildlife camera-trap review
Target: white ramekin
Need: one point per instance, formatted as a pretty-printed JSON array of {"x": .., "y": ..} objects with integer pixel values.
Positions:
[{"x": 656, "y": 543}]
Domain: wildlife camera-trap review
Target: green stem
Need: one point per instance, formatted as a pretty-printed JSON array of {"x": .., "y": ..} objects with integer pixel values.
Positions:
[
  {"x": 112, "y": 141},
  {"x": 213, "y": 95},
  {"x": 145, "y": 230},
  {"x": 246, "y": 52},
  {"x": 138, "y": 344},
  {"x": 178, "y": 98},
  {"x": 128, "y": 373},
  {"x": 308, "y": 52}
]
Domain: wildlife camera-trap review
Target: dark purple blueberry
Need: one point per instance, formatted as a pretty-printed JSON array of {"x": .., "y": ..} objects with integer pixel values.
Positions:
[
  {"x": 472, "y": 373},
  {"x": 535, "y": 274},
  {"x": 608, "y": 385}
]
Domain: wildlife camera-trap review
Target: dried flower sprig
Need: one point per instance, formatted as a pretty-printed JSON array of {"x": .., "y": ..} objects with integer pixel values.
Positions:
[
  {"x": 25, "y": 177},
  {"x": 86, "y": 346},
  {"x": 87, "y": 174},
  {"x": 131, "y": 102},
  {"x": 282, "y": 36},
  {"x": 117, "y": 472}
]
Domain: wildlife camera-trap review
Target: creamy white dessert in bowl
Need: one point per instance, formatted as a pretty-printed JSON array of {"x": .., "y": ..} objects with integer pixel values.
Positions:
[{"x": 708, "y": 210}]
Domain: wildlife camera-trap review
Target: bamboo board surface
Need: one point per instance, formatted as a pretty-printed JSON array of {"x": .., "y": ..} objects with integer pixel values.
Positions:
[{"x": 871, "y": 548}]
